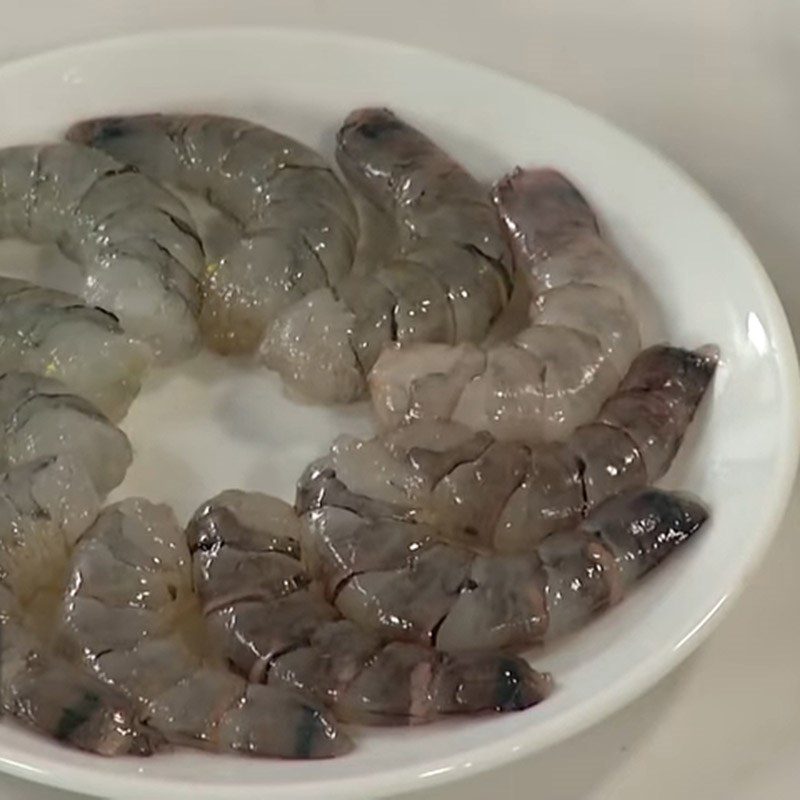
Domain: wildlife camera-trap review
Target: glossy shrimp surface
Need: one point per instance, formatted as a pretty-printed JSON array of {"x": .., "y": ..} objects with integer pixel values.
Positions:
[
  {"x": 437, "y": 269},
  {"x": 268, "y": 620},
  {"x": 133, "y": 241},
  {"x": 45, "y": 507},
  {"x": 552, "y": 376},
  {"x": 54, "y": 334},
  {"x": 404, "y": 530},
  {"x": 509, "y": 495},
  {"x": 404, "y": 582},
  {"x": 39, "y": 417},
  {"x": 131, "y": 617},
  {"x": 297, "y": 228}
]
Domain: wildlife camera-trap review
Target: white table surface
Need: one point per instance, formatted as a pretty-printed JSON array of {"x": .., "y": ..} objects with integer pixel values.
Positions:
[{"x": 715, "y": 84}]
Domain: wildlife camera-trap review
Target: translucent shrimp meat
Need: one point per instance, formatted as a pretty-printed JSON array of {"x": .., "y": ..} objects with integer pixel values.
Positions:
[
  {"x": 272, "y": 625},
  {"x": 507, "y": 495},
  {"x": 39, "y": 418},
  {"x": 552, "y": 376},
  {"x": 56, "y": 335},
  {"x": 133, "y": 241},
  {"x": 131, "y": 617},
  {"x": 401, "y": 581},
  {"x": 296, "y": 226},
  {"x": 439, "y": 269}
]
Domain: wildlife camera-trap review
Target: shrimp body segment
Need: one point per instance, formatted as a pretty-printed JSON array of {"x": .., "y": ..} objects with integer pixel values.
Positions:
[
  {"x": 133, "y": 241},
  {"x": 296, "y": 226},
  {"x": 439, "y": 269},
  {"x": 276, "y": 628},
  {"x": 551, "y": 376},
  {"x": 131, "y": 616}
]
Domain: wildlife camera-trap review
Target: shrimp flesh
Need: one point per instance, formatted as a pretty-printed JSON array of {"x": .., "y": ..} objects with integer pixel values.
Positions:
[
  {"x": 131, "y": 616},
  {"x": 45, "y": 506},
  {"x": 133, "y": 241},
  {"x": 269, "y": 621},
  {"x": 441, "y": 274},
  {"x": 554, "y": 374},
  {"x": 508, "y": 495},
  {"x": 297, "y": 229},
  {"x": 56, "y": 335},
  {"x": 39, "y": 417},
  {"x": 402, "y": 581}
]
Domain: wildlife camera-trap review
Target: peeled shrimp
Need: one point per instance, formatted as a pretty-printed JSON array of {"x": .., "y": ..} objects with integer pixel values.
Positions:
[
  {"x": 508, "y": 495},
  {"x": 54, "y": 334},
  {"x": 272, "y": 625},
  {"x": 45, "y": 506},
  {"x": 441, "y": 271},
  {"x": 39, "y": 418},
  {"x": 131, "y": 617},
  {"x": 403, "y": 582},
  {"x": 133, "y": 241},
  {"x": 553, "y": 375},
  {"x": 297, "y": 226}
]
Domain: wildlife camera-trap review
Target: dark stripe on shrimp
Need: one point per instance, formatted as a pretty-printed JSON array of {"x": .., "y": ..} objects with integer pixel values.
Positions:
[{"x": 72, "y": 718}]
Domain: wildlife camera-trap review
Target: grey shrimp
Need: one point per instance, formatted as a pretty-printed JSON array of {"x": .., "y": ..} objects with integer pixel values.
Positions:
[
  {"x": 297, "y": 228},
  {"x": 270, "y": 622},
  {"x": 509, "y": 495},
  {"x": 402, "y": 581},
  {"x": 134, "y": 241},
  {"x": 552, "y": 376},
  {"x": 45, "y": 507},
  {"x": 131, "y": 617},
  {"x": 39, "y": 417},
  {"x": 56, "y": 335},
  {"x": 440, "y": 271}
]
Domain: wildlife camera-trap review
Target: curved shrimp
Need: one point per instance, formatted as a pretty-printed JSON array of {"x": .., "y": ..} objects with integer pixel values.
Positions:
[
  {"x": 442, "y": 273},
  {"x": 45, "y": 506},
  {"x": 268, "y": 620},
  {"x": 551, "y": 376},
  {"x": 54, "y": 334},
  {"x": 403, "y": 582},
  {"x": 39, "y": 418},
  {"x": 131, "y": 616},
  {"x": 133, "y": 241},
  {"x": 508, "y": 495},
  {"x": 297, "y": 226}
]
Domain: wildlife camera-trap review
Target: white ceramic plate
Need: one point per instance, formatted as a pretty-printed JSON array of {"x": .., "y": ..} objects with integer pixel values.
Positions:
[{"x": 215, "y": 424}]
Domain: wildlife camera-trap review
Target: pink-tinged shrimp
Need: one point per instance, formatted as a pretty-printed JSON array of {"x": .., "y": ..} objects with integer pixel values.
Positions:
[
  {"x": 551, "y": 376},
  {"x": 56, "y": 335},
  {"x": 296, "y": 227},
  {"x": 133, "y": 241},
  {"x": 439, "y": 269},
  {"x": 271, "y": 623},
  {"x": 402, "y": 581},
  {"x": 131, "y": 617},
  {"x": 508, "y": 495}
]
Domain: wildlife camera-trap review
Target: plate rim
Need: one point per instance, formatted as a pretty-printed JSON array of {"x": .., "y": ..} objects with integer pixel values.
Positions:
[{"x": 647, "y": 672}]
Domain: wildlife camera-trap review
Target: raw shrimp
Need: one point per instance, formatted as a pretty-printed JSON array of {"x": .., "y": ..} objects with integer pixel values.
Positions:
[
  {"x": 133, "y": 241},
  {"x": 45, "y": 506},
  {"x": 56, "y": 335},
  {"x": 269, "y": 621},
  {"x": 39, "y": 417},
  {"x": 401, "y": 581},
  {"x": 553, "y": 375},
  {"x": 297, "y": 226},
  {"x": 441, "y": 274},
  {"x": 60, "y": 700},
  {"x": 508, "y": 495},
  {"x": 131, "y": 616}
]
